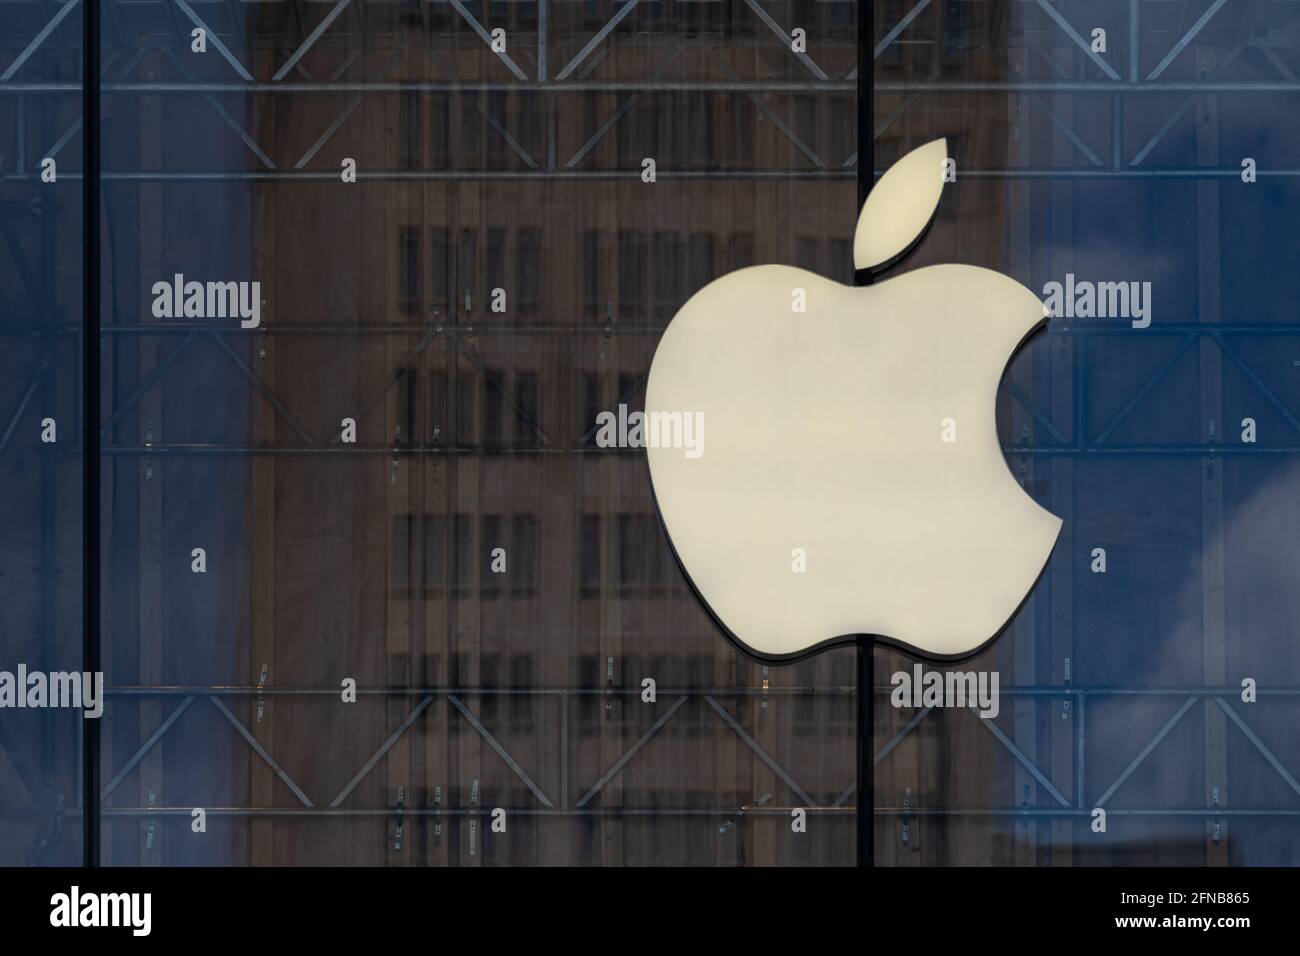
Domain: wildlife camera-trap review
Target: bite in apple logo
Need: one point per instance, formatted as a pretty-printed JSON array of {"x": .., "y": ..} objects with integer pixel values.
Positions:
[{"x": 853, "y": 483}]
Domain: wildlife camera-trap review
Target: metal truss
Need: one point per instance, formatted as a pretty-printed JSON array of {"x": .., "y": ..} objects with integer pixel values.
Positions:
[
  {"x": 1081, "y": 806},
  {"x": 345, "y": 26}
]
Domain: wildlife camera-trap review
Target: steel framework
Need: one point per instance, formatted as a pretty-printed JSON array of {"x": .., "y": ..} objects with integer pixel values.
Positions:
[
  {"x": 1081, "y": 805},
  {"x": 343, "y": 26}
]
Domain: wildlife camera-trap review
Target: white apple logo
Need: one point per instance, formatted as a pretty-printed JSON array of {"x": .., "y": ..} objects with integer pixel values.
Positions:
[{"x": 853, "y": 483}]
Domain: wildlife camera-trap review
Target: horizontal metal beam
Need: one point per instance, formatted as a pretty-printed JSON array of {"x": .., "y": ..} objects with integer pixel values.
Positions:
[
  {"x": 1190, "y": 173},
  {"x": 150, "y": 691},
  {"x": 152, "y": 88},
  {"x": 468, "y": 88},
  {"x": 446, "y": 451},
  {"x": 247, "y": 690},
  {"x": 499, "y": 328},
  {"x": 742, "y": 811},
  {"x": 452, "y": 175}
]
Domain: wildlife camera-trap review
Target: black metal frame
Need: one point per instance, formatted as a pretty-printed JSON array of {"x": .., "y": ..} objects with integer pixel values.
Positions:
[{"x": 90, "y": 370}]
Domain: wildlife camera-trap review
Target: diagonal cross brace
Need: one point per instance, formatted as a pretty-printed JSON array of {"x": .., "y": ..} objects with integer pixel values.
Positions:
[
  {"x": 76, "y": 124},
  {"x": 504, "y": 133},
  {"x": 147, "y": 746},
  {"x": 1016, "y": 752},
  {"x": 37, "y": 41},
  {"x": 1028, "y": 405},
  {"x": 1080, "y": 41},
  {"x": 595, "y": 41},
  {"x": 772, "y": 115},
  {"x": 1187, "y": 38},
  {"x": 885, "y": 752},
  {"x": 1259, "y": 745},
  {"x": 1142, "y": 392},
  {"x": 623, "y": 109},
  {"x": 1255, "y": 380},
  {"x": 315, "y": 35},
  {"x": 261, "y": 387},
  {"x": 1146, "y": 751},
  {"x": 1041, "y": 105},
  {"x": 1187, "y": 104},
  {"x": 37, "y": 377},
  {"x": 501, "y": 751},
  {"x": 402, "y": 728},
  {"x": 622, "y": 400},
  {"x": 763, "y": 755},
  {"x": 784, "y": 37},
  {"x": 216, "y": 41},
  {"x": 146, "y": 383},
  {"x": 225, "y": 114},
  {"x": 892, "y": 35},
  {"x": 260, "y": 751},
  {"x": 472, "y": 354},
  {"x": 619, "y": 764},
  {"x": 392, "y": 378},
  {"x": 325, "y": 137},
  {"x": 483, "y": 34}
]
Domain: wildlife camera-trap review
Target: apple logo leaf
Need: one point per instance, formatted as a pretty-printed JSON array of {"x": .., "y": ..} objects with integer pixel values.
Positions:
[{"x": 900, "y": 208}]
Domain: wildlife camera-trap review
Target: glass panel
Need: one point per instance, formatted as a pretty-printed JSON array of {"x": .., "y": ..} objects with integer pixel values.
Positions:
[
  {"x": 1083, "y": 158},
  {"x": 413, "y": 383},
  {"x": 41, "y": 422}
]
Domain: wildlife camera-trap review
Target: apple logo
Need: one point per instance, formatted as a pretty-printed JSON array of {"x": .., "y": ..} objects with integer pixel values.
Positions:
[{"x": 853, "y": 483}]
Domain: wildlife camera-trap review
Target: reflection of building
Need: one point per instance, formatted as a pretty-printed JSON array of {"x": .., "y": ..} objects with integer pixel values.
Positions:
[{"x": 477, "y": 194}]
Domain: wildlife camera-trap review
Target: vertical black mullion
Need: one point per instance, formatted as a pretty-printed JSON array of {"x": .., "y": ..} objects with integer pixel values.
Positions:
[
  {"x": 866, "y": 815},
  {"x": 866, "y": 104},
  {"x": 866, "y": 821},
  {"x": 90, "y": 420}
]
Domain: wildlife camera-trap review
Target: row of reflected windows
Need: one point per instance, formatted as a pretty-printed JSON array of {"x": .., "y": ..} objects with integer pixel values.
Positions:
[
  {"x": 496, "y": 409},
  {"x": 681, "y": 130},
  {"x": 461, "y": 555},
  {"x": 654, "y": 272},
  {"x": 519, "y": 672}
]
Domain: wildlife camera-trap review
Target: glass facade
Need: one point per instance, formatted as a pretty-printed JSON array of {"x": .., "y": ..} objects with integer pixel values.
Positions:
[
  {"x": 41, "y": 416},
  {"x": 436, "y": 239}
]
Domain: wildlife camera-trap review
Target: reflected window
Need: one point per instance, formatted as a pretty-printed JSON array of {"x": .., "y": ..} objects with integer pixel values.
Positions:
[
  {"x": 524, "y": 554},
  {"x": 589, "y": 277},
  {"x": 589, "y": 552},
  {"x": 528, "y": 270},
  {"x": 630, "y": 263},
  {"x": 410, "y": 130},
  {"x": 408, "y": 266},
  {"x": 491, "y": 539}
]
